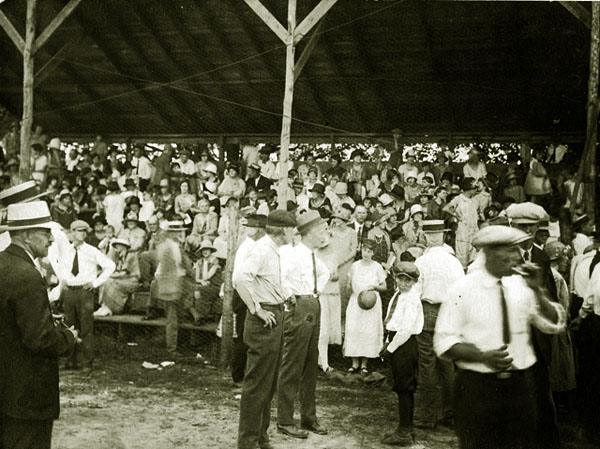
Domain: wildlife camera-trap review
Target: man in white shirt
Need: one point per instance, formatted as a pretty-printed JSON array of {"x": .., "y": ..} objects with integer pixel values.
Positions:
[
  {"x": 188, "y": 167},
  {"x": 485, "y": 328},
  {"x": 304, "y": 276},
  {"x": 267, "y": 167},
  {"x": 80, "y": 276},
  {"x": 255, "y": 229},
  {"x": 142, "y": 168},
  {"x": 403, "y": 322},
  {"x": 439, "y": 269},
  {"x": 582, "y": 227}
]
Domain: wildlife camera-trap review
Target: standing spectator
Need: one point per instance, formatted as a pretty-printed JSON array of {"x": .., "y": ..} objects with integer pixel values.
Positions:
[
  {"x": 164, "y": 199},
  {"x": 482, "y": 197},
  {"x": 364, "y": 328},
  {"x": 63, "y": 211},
  {"x": 360, "y": 225},
  {"x": 403, "y": 324},
  {"x": 408, "y": 167},
  {"x": 142, "y": 167},
  {"x": 114, "y": 206},
  {"x": 267, "y": 168},
  {"x": 439, "y": 269},
  {"x": 162, "y": 165},
  {"x": 81, "y": 277},
  {"x": 411, "y": 189},
  {"x": 437, "y": 203},
  {"x": 345, "y": 242},
  {"x": 464, "y": 211},
  {"x": 97, "y": 233},
  {"x": 475, "y": 167},
  {"x": 537, "y": 183},
  {"x": 31, "y": 343},
  {"x": 304, "y": 276},
  {"x": 301, "y": 199},
  {"x": 582, "y": 227},
  {"x": 100, "y": 148},
  {"x": 442, "y": 165},
  {"x": 484, "y": 327},
  {"x": 125, "y": 280},
  {"x": 39, "y": 164},
  {"x": 258, "y": 282}
]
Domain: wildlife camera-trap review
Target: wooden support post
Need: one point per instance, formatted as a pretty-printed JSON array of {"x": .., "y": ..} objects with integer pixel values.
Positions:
[
  {"x": 227, "y": 315},
  {"x": 28, "y": 75},
  {"x": 14, "y": 35},
  {"x": 222, "y": 142},
  {"x": 288, "y": 99},
  {"x": 53, "y": 26}
]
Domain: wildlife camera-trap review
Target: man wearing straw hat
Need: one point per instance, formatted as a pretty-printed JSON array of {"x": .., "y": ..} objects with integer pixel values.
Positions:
[
  {"x": 484, "y": 326},
  {"x": 303, "y": 275},
  {"x": 439, "y": 269},
  {"x": 30, "y": 343},
  {"x": 258, "y": 282}
]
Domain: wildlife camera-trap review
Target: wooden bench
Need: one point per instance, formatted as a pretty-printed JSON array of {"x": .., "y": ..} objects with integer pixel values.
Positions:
[{"x": 123, "y": 321}]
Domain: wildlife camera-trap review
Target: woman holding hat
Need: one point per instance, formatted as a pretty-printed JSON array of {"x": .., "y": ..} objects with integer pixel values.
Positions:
[
  {"x": 206, "y": 303},
  {"x": 464, "y": 210},
  {"x": 364, "y": 328},
  {"x": 124, "y": 281}
]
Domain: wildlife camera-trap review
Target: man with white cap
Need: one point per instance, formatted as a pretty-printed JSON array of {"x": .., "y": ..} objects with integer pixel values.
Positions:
[
  {"x": 30, "y": 342},
  {"x": 527, "y": 217},
  {"x": 439, "y": 269},
  {"x": 304, "y": 276},
  {"x": 84, "y": 269},
  {"x": 484, "y": 327}
]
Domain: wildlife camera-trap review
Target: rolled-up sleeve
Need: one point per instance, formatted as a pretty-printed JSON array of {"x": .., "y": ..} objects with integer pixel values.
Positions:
[{"x": 448, "y": 326}]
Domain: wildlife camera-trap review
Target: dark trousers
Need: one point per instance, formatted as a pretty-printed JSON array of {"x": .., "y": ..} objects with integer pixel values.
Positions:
[
  {"x": 240, "y": 348},
  {"x": 405, "y": 368},
  {"x": 299, "y": 362},
  {"x": 433, "y": 372},
  {"x": 547, "y": 428},
  {"x": 493, "y": 413},
  {"x": 588, "y": 388},
  {"x": 260, "y": 382},
  {"x": 25, "y": 433},
  {"x": 78, "y": 307}
]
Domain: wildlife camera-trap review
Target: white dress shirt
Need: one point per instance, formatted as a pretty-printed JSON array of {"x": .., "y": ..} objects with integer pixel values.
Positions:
[
  {"x": 438, "y": 271},
  {"x": 591, "y": 300},
  {"x": 267, "y": 169},
  {"x": 407, "y": 318},
  {"x": 143, "y": 167},
  {"x": 580, "y": 273},
  {"x": 473, "y": 315},
  {"x": 188, "y": 167},
  {"x": 581, "y": 242},
  {"x": 240, "y": 255},
  {"x": 89, "y": 259},
  {"x": 297, "y": 276}
]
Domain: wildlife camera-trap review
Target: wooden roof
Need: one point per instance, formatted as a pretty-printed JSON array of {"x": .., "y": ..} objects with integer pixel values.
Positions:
[{"x": 211, "y": 67}]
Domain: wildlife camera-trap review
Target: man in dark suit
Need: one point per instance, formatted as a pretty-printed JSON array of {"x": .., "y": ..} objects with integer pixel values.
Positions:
[
  {"x": 360, "y": 225},
  {"x": 526, "y": 217},
  {"x": 256, "y": 180},
  {"x": 30, "y": 343}
]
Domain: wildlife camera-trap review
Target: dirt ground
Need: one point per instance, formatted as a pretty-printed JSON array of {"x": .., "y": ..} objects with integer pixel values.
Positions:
[{"x": 191, "y": 404}]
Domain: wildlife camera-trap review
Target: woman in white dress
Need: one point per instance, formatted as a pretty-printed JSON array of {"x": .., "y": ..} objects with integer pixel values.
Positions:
[{"x": 364, "y": 328}]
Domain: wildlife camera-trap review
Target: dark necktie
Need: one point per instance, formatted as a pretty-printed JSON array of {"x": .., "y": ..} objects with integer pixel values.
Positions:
[
  {"x": 75, "y": 269},
  {"x": 392, "y": 310},
  {"x": 505, "y": 322},
  {"x": 526, "y": 256},
  {"x": 314, "y": 266}
]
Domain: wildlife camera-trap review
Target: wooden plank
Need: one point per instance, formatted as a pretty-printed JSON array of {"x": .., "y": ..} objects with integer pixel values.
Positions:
[
  {"x": 269, "y": 19},
  {"x": 578, "y": 11},
  {"x": 312, "y": 18},
  {"x": 138, "y": 320},
  {"x": 28, "y": 74},
  {"x": 12, "y": 32},
  {"x": 55, "y": 60},
  {"x": 310, "y": 46},
  {"x": 53, "y": 26},
  {"x": 288, "y": 98},
  {"x": 232, "y": 245}
]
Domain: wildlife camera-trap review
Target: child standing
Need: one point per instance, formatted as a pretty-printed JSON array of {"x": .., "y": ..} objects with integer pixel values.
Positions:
[
  {"x": 364, "y": 328},
  {"x": 404, "y": 320}
]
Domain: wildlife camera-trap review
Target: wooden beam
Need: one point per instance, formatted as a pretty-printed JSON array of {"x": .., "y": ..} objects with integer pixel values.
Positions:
[
  {"x": 288, "y": 98},
  {"x": 27, "y": 119},
  {"x": 232, "y": 246},
  {"x": 55, "y": 60},
  {"x": 312, "y": 18},
  {"x": 269, "y": 19},
  {"x": 579, "y": 11},
  {"x": 310, "y": 46},
  {"x": 12, "y": 32},
  {"x": 53, "y": 26}
]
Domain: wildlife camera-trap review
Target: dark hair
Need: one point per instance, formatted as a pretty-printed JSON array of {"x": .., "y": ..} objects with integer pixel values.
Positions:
[
  {"x": 273, "y": 231},
  {"x": 407, "y": 257}
]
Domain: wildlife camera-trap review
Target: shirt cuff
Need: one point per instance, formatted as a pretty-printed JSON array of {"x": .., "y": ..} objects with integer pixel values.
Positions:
[{"x": 443, "y": 343}]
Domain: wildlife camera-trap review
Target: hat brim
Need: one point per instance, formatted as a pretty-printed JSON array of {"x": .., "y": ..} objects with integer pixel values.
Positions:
[
  {"x": 435, "y": 231},
  {"x": 47, "y": 225},
  {"x": 524, "y": 221},
  {"x": 212, "y": 248}
]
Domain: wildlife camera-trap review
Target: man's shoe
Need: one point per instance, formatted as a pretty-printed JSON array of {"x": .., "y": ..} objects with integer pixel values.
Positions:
[
  {"x": 425, "y": 425},
  {"x": 314, "y": 428},
  {"x": 398, "y": 438},
  {"x": 292, "y": 431}
]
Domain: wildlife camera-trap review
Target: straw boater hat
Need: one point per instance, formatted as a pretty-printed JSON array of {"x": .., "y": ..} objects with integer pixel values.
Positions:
[
  {"x": 79, "y": 225},
  {"x": 579, "y": 222},
  {"x": 21, "y": 216},
  {"x": 175, "y": 226},
  {"x": 341, "y": 188},
  {"x": 434, "y": 226},
  {"x": 123, "y": 242},
  {"x": 21, "y": 193}
]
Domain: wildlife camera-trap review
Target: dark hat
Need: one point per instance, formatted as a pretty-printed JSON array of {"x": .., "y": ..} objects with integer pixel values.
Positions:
[
  {"x": 36, "y": 147},
  {"x": 129, "y": 182},
  {"x": 434, "y": 226},
  {"x": 579, "y": 222},
  {"x": 298, "y": 183},
  {"x": 133, "y": 200},
  {"x": 281, "y": 219},
  {"x": 313, "y": 169},
  {"x": 233, "y": 166},
  {"x": 101, "y": 189},
  {"x": 467, "y": 183},
  {"x": 447, "y": 176},
  {"x": 306, "y": 220},
  {"x": 368, "y": 243},
  {"x": 398, "y": 191},
  {"x": 125, "y": 165},
  {"x": 318, "y": 187},
  {"x": 113, "y": 186},
  {"x": 407, "y": 269},
  {"x": 256, "y": 221},
  {"x": 98, "y": 219},
  {"x": 254, "y": 167},
  {"x": 291, "y": 206}
]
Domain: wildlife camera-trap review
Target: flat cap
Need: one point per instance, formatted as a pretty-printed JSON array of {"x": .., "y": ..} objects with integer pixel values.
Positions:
[
  {"x": 497, "y": 235},
  {"x": 525, "y": 213},
  {"x": 78, "y": 225},
  {"x": 256, "y": 221},
  {"x": 306, "y": 220},
  {"x": 281, "y": 219},
  {"x": 407, "y": 269}
]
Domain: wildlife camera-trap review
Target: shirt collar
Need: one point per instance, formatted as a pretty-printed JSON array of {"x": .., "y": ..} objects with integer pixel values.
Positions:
[{"x": 487, "y": 279}]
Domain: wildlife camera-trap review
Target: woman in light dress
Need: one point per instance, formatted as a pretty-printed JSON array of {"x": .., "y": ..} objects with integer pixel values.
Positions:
[{"x": 364, "y": 328}]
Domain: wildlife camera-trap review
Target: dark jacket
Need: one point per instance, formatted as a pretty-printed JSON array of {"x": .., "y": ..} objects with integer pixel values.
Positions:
[
  {"x": 260, "y": 183},
  {"x": 30, "y": 343}
]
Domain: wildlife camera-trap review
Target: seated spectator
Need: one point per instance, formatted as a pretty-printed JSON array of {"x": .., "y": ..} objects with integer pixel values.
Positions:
[
  {"x": 373, "y": 185},
  {"x": 185, "y": 202},
  {"x": 336, "y": 168},
  {"x": 255, "y": 179},
  {"x": 318, "y": 201},
  {"x": 300, "y": 197},
  {"x": 441, "y": 166},
  {"x": 109, "y": 235},
  {"x": 147, "y": 207},
  {"x": 62, "y": 210},
  {"x": 205, "y": 224},
  {"x": 312, "y": 179},
  {"x": 232, "y": 185},
  {"x": 251, "y": 198},
  {"x": 98, "y": 231},
  {"x": 206, "y": 304},
  {"x": 474, "y": 168},
  {"x": 132, "y": 233},
  {"x": 340, "y": 196},
  {"x": 412, "y": 189},
  {"x": 408, "y": 167},
  {"x": 165, "y": 200},
  {"x": 114, "y": 293}
]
